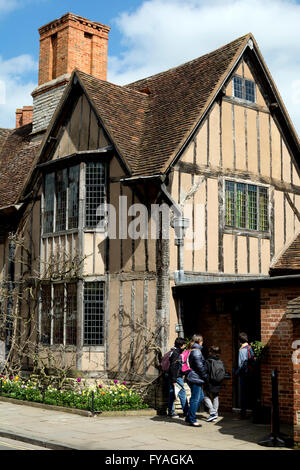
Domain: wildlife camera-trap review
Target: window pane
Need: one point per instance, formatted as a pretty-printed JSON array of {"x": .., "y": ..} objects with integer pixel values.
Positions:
[
  {"x": 71, "y": 320},
  {"x": 61, "y": 199},
  {"x": 238, "y": 87},
  {"x": 229, "y": 200},
  {"x": 46, "y": 314},
  {"x": 241, "y": 205},
  {"x": 249, "y": 91},
  {"x": 58, "y": 314},
  {"x": 94, "y": 313},
  {"x": 252, "y": 207},
  {"x": 73, "y": 197},
  {"x": 49, "y": 203},
  {"x": 263, "y": 209},
  {"x": 95, "y": 192}
]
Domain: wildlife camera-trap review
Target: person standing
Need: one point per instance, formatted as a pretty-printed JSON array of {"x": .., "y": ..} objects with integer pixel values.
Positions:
[
  {"x": 244, "y": 373},
  {"x": 216, "y": 374},
  {"x": 196, "y": 378},
  {"x": 175, "y": 377}
]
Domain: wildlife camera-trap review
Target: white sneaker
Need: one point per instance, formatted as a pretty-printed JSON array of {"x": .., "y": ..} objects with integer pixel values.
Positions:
[{"x": 212, "y": 417}]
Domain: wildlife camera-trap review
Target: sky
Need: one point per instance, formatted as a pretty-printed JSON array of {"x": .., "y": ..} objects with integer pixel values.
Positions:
[{"x": 150, "y": 36}]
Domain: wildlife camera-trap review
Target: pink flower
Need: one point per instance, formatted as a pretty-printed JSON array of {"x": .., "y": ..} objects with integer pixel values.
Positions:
[
  {"x": 79, "y": 379},
  {"x": 124, "y": 383},
  {"x": 100, "y": 386},
  {"x": 115, "y": 381}
]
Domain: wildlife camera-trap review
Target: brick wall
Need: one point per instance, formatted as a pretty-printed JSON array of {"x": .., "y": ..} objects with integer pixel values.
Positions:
[
  {"x": 24, "y": 116},
  {"x": 72, "y": 42},
  {"x": 217, "y": 330},
  {"x": 278, "y": 333},
  {"x": 296, "y": 382}
]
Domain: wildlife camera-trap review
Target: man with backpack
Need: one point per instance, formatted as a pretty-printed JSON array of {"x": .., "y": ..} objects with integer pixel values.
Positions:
[
  {"x": 216, "y": 374},
  {"x": 174, "y": 373},
  {"x": 245, "y": 372}
]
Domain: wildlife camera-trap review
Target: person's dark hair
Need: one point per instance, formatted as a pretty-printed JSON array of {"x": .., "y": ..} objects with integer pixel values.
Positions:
[
  {"x": 179, "y": 342},
  {"x": 243, "y": 338},
  {"x": 214, "y": 351}
]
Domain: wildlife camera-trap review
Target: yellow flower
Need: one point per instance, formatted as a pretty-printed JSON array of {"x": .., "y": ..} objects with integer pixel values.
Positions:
[{"x": 16, "y": 378}]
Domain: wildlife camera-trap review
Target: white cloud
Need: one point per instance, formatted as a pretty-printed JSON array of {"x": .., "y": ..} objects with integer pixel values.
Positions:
[
  {"x": 15, "y": 90},
  {"x": 164, "y": 33},
  {"x": 8, "y": 5}
]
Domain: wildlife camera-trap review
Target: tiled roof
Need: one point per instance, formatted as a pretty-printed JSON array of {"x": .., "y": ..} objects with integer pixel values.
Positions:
[
  {"x": 289, "y": 259},
  {"x": 4, "y": 133},
  {"x": 150, "y": 120},
  {"x": 16, "y": 159},
  {"x": 122, "y": 112}
]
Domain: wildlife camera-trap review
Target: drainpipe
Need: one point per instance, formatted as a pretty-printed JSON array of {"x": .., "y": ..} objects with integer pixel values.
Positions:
[{"x": 180, "y": 225}]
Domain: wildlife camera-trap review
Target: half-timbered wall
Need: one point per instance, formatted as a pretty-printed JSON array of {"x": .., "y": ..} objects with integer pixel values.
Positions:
[
  {"x": 238, "y": 142},
  {"x": 127, "y": 267}
]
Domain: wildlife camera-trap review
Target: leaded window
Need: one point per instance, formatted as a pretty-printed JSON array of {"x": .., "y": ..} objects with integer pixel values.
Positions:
[
  {"x": 93, "y": 314},
  {"x": 95, "y": 193},
  {"x": 46, "y": 314},
  {"x": 246, "y": 206},
  {"x": 244, "y": 89},
  {"x": 49, "y": 202},
  {"x": 71, "y": 314},
  {"x": 61, "y": 197},
  {"x": 59, "y": 314}
]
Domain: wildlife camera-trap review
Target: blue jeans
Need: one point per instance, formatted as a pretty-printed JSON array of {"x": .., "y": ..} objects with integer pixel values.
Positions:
[
  {"x": 181, "y": 394},
  {"x": 196, "y": 398}
]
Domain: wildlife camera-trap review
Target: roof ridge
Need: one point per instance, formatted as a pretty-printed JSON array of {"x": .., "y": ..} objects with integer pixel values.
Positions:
[{"x": 106, "y": 82}]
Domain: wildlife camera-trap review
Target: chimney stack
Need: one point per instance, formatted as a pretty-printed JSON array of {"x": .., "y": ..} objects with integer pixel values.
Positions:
[
  {"x": 24, "y": 116},
  {"x": 72, "y": 42},
  {"x": 65, "y": 44}
]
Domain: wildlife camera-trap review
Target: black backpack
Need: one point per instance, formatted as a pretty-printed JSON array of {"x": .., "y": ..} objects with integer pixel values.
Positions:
[{"x": 216, "y": 371}]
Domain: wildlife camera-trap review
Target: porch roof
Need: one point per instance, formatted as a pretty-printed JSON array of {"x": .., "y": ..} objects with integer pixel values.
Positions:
[{"x": 255, "y": 281}]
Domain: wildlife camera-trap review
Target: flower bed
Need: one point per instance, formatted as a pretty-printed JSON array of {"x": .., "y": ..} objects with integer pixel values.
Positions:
[{"x": 97, "y": 397}]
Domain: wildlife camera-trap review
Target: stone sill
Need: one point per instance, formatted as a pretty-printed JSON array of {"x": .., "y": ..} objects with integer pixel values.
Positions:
[{"x": 144, "y": 412}]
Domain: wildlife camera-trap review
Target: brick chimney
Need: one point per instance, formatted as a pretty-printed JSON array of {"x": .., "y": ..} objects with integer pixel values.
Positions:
[
  {"x": 24, "y": 116},
  {"x": 65, "y": 44}
]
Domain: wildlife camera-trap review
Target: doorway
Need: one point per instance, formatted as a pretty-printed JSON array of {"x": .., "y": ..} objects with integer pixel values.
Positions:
[
  {"x": 245, "y": 318},
  {"x": 221, "y": 314}
]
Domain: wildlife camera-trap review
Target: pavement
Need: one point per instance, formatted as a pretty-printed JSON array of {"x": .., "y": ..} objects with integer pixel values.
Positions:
[{"x": 64, "y": 431}]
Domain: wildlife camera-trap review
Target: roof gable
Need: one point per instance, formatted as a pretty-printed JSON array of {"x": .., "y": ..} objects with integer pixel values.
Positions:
[{"x": 178, "y": 100}]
